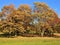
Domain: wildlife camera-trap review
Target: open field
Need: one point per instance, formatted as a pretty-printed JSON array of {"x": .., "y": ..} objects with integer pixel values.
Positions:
[{"x": 30, "y": 41}]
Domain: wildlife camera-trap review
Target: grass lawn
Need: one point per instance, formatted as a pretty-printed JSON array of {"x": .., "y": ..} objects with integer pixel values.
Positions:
[{"x": 30, "y": 41}]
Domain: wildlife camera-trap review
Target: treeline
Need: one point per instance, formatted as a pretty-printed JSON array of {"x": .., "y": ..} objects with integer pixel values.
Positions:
[{"x": 40, "y": 20}]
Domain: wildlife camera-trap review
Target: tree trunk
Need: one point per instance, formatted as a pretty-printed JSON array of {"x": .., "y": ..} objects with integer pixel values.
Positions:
[{"x": 42, "y": 33}]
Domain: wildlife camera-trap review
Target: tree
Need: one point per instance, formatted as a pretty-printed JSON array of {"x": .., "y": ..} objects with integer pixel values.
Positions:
[
  {"x": 45, "y": 15},
  {"x": 26, "y": 14},
  {"x": 57, "y": 27},
  {"x": 7, "y": 10}
]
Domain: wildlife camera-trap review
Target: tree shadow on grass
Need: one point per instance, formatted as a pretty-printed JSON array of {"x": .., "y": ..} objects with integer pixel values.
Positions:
[
  {"x": 6, "y": 36},
  {"x": 26, "y": 35}
]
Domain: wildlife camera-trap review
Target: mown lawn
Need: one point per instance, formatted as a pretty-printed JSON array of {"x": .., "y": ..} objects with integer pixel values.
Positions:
[{"x": 30, "y": 41}]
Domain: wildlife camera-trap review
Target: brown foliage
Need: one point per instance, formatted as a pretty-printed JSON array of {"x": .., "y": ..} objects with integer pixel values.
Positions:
[{"x": 40, "y": 20}]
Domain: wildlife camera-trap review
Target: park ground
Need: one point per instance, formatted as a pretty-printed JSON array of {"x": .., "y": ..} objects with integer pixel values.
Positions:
[{"x": 30, "y": 41}]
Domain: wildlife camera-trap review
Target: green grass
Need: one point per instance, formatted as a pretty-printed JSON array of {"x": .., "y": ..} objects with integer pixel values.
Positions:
[{"x": 30, "y": 41}]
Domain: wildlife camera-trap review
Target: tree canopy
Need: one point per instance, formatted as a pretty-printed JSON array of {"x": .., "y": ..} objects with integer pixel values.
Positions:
[{"x": 40, "y": 20}]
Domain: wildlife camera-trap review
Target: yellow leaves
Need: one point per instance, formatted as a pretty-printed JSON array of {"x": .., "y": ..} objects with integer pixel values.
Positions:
[
  {"x": 24, "y": 7},
  {"x": 43, "y": 17},
  {"x": 1, "y": 14},
  {"x": 17, "y": 12},
  {"x": 5, "y": 7},
  {"x": 42, "y": 24},
  {"x": 45, "y": 13},
  {"x": 22, "y": 29},
  {"x": 11, "y": 6},
  {"x": 41, "y": 4}
]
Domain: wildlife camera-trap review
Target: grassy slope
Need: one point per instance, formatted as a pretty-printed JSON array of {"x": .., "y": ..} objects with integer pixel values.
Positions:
[{"x": 30, "y": 41}]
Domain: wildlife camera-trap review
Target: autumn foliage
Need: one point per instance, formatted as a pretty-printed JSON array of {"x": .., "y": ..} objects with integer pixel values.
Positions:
[{"x": 27, "y": 21}]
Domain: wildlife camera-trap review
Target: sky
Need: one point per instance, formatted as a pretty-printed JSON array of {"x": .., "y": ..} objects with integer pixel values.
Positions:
[{"x": 54, "y": 4}]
